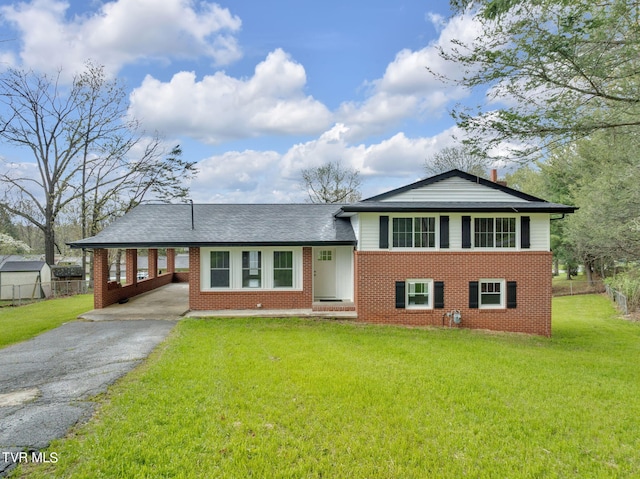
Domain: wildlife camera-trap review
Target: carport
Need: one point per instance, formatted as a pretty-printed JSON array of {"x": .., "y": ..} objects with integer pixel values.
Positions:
[{"x": 169, "y": 302}]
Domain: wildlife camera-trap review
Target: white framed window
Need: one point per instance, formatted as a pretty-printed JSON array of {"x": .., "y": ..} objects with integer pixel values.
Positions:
[
  {"x": 251, "y": 269},
  {"x": 220, "y": 269},
  {"x": 237, "y": 268},
  {"x": 283, "y": 269},
  {"x": 491, "y": 293},
  {"x": 497, "y": 232},
  {"x": 414, "y": 232},
  {"x": 419, "y": 294}
]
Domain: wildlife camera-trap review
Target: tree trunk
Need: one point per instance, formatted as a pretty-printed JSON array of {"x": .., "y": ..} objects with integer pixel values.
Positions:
[
  {"x": 588, "y": 270},
  {"x": 118, "y": 269},
  {"x": 49, "y": 244}
]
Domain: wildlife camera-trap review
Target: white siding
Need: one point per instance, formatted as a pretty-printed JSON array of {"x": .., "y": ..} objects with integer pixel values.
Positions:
[
  {"x": 540, "y": 232},
  {"x": 455, "y": 231},
  {"x": 355, "y": 225},
  {"x": 344, "y": 272},
  {"x": 369, "y": 231},
  {"x": 454, "y": 189},
  {"x": 368, "y": 239}
]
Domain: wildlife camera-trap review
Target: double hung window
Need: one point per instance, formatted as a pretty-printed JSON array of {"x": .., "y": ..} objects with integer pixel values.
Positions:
[
  {"x": 220, "y": 277},
  {"x": 261, "y": 268},
  {"x": 495, "y": 232},
  {"x": 419, "y": 293},
  {"x": 492, "y": 293},
  {"x": 282, "y": 269},
  {"x": 414, "y": 232}
]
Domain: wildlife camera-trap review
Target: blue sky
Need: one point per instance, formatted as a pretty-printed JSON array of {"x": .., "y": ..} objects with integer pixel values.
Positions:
[{"x": 254, "y": 91}]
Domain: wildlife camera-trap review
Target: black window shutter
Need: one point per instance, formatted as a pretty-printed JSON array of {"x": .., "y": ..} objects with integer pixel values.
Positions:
[
  {"x": 512, "y": 288},
  {"x": 384, "y": 232},
  {"x": 444, "y": 232},
  {"x": 525, "y": 232},
  {"x": 466, "y": 231},
  {"x": 473, "y": 294},
  {"x": 400, "y": 298},
  {"x": 438, "y": 294}
]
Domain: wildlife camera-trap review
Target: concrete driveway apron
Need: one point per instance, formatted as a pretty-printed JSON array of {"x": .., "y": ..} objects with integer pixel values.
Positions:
[{"x": 45, "y": 383}]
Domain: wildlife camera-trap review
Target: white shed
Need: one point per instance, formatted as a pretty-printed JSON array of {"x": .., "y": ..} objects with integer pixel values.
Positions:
[{"x": 24, "y": 280}]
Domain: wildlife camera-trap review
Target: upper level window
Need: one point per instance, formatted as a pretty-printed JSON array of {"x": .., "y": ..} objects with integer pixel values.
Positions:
[
  {"x": 414, "y": 232},
  {"x": 495, "y": 232}
]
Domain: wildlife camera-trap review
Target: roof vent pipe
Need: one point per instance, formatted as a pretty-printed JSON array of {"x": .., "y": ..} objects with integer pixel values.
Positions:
[{"x": 193, "y": 226}]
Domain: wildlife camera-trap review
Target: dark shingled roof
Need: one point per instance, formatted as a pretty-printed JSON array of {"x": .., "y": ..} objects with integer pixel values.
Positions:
[
  {"x": 225, "y": 225},
  {"x": 21, "y": 266}
]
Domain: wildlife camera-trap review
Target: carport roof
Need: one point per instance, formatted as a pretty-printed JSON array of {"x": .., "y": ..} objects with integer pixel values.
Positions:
[{"x": 170, "y": 225}]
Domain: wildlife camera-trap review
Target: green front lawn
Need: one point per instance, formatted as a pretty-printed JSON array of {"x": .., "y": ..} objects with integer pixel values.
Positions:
[
  {"x": 264, "y": 398},
  {"x": 20, "y": 323}
]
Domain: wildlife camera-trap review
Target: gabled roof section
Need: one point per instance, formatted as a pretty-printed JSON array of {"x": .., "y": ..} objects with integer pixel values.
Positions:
[
  {"x": 455, "y": 191},
  {"x": 167, "y": 225},
  {"x": 21, "y": 266},
  {"x": 397, "y": 194}
]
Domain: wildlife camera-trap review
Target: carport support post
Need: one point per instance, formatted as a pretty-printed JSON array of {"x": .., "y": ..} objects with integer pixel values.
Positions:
[
  {"x": 153, "y": 263},
  {"x": 171, "y": 260},
  {"x": 100, "y": 277},
  {"x": 131, "y": 262}
]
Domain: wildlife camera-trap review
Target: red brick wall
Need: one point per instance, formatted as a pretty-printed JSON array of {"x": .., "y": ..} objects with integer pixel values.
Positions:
[
  {"x": 377, "y": 272},
  {"x": 247, "y": 299}
]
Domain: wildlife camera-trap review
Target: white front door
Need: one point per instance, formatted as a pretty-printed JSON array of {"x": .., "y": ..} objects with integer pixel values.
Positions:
[{"x": 324, "y": 273}]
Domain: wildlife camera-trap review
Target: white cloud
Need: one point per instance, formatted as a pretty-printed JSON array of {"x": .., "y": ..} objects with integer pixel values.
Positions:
[
  {"x": 407, "y": 89},
  {"x": 219, "y": 107},
  {"x": 122, "y": 32},
  {"x": 270, "y": 177}
]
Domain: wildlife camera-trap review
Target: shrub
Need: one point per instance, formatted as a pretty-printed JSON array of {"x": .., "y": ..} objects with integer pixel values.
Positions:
[{"x": 628, "y": 283}]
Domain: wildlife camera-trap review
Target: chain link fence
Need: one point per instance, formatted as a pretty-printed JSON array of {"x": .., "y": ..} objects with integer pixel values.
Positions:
[
  {"x": 18, "y": 294},
  {"x": 570, "y": 288},
  {"x": 619, "y": 299}
]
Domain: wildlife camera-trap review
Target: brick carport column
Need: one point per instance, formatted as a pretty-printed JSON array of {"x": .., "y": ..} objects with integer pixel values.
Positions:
[
  {"x": 131, "y": 262},
  {"x": 171, "y": 260},
  {"x": 153, "y": 263},
  {"x": 100, "y": 277}
]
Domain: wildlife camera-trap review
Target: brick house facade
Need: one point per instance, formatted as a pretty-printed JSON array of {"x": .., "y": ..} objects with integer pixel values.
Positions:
[{"x": 450, "y": 250}]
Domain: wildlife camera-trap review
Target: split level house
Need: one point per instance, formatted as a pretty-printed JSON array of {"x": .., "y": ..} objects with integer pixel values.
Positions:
[{"x": 452, "y": 250}]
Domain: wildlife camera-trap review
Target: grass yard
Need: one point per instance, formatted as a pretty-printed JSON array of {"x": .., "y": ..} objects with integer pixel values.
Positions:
[
  {"x": 289, "y": 398},
  {"x": 24, "y": 322}
]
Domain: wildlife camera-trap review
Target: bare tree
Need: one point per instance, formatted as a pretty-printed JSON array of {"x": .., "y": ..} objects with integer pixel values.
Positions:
[
  {"x": 82, "y": 146},
  {"x": 331, "y": 183},
  {"x": 460, "y": 158}
]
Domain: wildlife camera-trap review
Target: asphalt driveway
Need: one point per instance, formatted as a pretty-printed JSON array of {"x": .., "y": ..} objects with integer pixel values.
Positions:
[{"x": 45, "y": 383}]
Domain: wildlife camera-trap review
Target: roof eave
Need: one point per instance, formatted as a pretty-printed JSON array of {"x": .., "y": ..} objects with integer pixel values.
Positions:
[
  {"x": 458, "y": 209},
  {"x": 191, "y": 244}
]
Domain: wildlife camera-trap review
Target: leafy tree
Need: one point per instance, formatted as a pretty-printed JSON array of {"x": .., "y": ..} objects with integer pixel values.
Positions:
[
  {"x": 566, "y": 69},
  {"x": 331, "y": 183},
  {"x": 461, "y": 158},
  {"x": 10, "y": 245}
]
